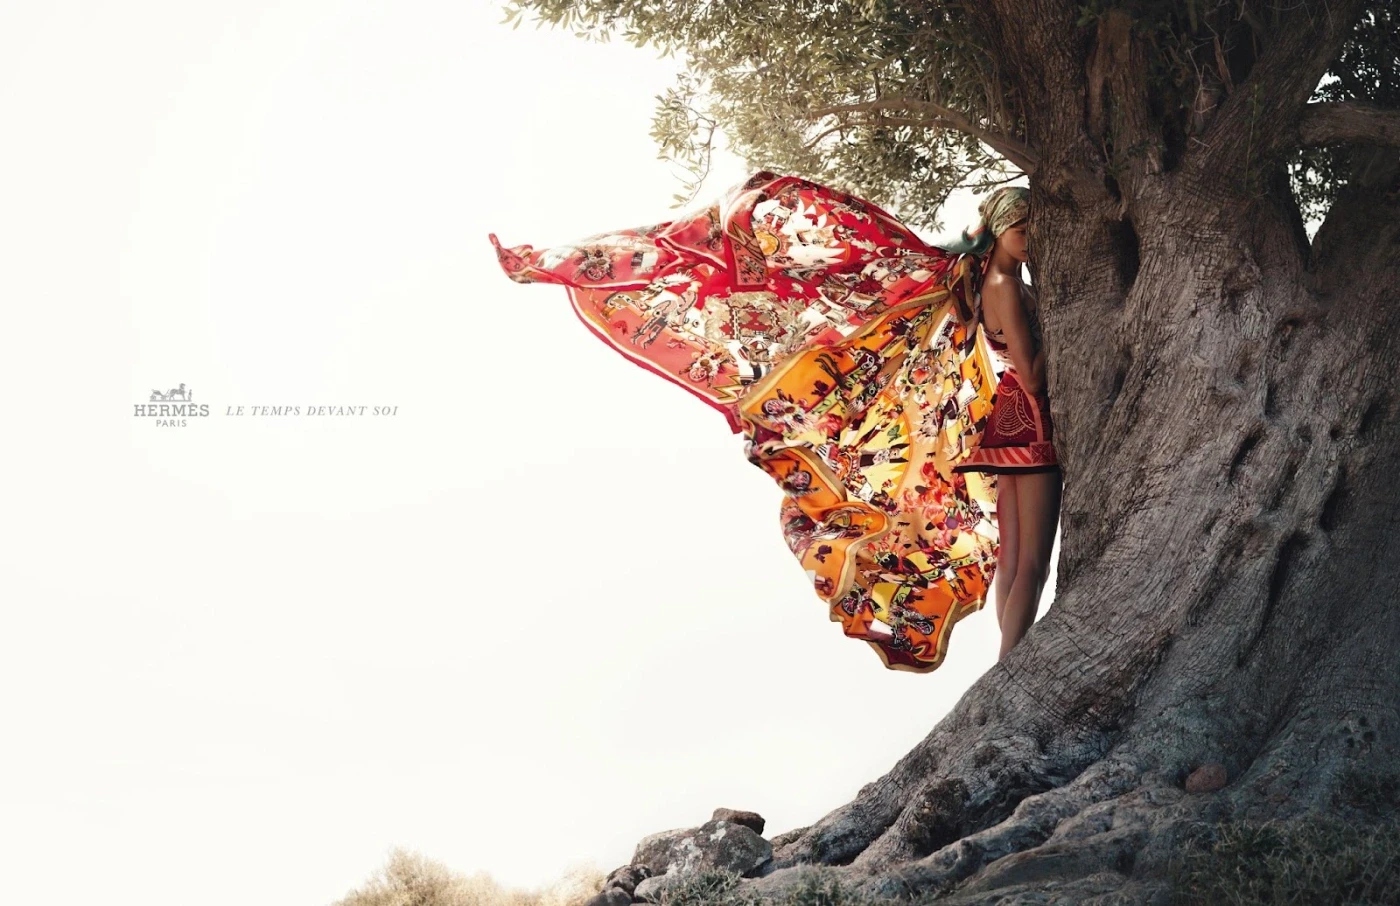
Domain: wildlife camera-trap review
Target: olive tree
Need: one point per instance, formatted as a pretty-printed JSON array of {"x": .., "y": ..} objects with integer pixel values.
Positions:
[{"x": 1223, "y": 387}]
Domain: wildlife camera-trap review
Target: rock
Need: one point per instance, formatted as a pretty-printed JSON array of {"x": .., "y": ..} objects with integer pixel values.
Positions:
[
  {"x": 651, "y": 889},
  {"x": 752, "y": 820},
  {"x": 610, "y": 896},
  {"x": 1206, "y": 779},
  {"x": 626, "y": 877},
  {"x": 714, "y": 844}
]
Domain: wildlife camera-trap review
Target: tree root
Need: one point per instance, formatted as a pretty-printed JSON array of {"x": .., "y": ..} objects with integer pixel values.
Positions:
[
  {"x": 1111, "y": 829},
  {"x": 1107, "y": 837}
]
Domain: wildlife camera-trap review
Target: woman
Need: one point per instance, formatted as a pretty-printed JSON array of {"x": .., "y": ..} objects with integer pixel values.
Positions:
[
  {"x": 1017, "y": 443},
  {"x": 844, "y": 348}
]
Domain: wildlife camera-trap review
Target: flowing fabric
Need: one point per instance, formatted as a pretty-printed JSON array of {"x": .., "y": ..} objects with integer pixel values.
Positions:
[{"x": 845, "y": 350}]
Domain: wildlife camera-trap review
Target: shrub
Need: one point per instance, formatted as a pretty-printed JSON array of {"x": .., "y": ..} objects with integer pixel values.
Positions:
[
  {"x": 719, "y": 888},
  {"x": 411, "y": 880}
]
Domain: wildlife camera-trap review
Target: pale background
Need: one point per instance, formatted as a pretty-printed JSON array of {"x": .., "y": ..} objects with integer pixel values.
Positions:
[{"x": 544, "y": 611}]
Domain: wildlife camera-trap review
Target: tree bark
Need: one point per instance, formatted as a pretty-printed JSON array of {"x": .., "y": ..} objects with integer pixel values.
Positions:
[
  {"x": 1229, "y": 564},
  {"x": 1229, "y": 575}
]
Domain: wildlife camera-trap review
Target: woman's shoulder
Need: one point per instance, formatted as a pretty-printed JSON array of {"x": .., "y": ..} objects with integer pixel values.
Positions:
[
  {"x": 1001, "y": 289},
  {"x": 997, "y": 278},
  {"x": 1010, "y": 287}
]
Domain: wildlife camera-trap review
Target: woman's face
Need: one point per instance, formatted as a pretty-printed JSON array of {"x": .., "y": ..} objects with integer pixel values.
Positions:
[{"x": 1013, "y": 240}]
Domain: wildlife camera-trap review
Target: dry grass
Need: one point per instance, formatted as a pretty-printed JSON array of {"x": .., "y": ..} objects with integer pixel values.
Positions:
[
  {"x": 411, "y": 880},
  {"x": 1317, "y": 862},
  {"x": 720, "y": 888}
]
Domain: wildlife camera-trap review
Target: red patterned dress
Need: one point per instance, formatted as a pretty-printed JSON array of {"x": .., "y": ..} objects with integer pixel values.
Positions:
[
  {"x": 1019, "y": 436},
  {"x": 842, "y": 346}
]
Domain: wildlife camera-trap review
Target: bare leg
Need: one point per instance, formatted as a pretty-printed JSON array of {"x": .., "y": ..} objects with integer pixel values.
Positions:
[
  {"x": 1008, "y": 526},
  {"x": 1038, "y": 508}
]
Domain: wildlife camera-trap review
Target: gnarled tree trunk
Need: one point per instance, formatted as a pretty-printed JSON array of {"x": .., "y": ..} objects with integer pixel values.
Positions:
[{"x": 1226, "y": 413}]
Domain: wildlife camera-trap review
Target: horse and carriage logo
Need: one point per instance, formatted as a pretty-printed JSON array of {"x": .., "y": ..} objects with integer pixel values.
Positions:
[{"x": 181, "y": 393}]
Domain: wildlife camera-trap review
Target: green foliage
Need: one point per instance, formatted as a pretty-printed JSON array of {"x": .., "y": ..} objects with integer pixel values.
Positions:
[
  {"x": 1367, "y": 70},
  {"x": 709, "y": 887},
  {"x": 759, "y": 71},
  {"x": 716, "y": 887},
  {"x": 1307, "y": 862},
  {"x": 896, "y": 101}
]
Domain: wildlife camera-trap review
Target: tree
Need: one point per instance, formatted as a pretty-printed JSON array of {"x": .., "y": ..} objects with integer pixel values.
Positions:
[{"x": 1222, "y": 389}]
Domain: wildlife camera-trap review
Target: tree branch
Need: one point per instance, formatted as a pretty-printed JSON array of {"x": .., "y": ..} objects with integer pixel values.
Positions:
[
  {"x": 1257, "y": 117},
  {"x": 1348, "y": 123},
  {"x": 1038, "y": 50},
  {"x": 1118, "y": 95},
  {"x": 1012, "y": 149}
]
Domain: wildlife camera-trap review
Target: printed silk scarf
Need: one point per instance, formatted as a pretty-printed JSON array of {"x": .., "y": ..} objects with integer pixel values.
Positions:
[{"x": 844, "y": 349}]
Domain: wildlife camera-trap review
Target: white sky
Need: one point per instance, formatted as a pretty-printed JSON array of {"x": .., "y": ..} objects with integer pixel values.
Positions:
[{"x": 543, "y": 611}]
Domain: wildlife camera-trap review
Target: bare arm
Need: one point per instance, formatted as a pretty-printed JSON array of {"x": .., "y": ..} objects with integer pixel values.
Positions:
[{"x": 1003, "y": 298}]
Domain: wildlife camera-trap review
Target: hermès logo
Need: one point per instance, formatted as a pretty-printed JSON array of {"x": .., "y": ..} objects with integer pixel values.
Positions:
[{"x": 171, "y": 415}]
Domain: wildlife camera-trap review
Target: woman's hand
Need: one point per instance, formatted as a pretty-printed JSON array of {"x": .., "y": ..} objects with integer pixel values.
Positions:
[{"x": 1037, "y": 380}]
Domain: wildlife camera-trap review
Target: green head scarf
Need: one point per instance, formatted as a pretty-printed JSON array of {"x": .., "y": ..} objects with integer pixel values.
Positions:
[{"x": 1003, "y": 208}]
